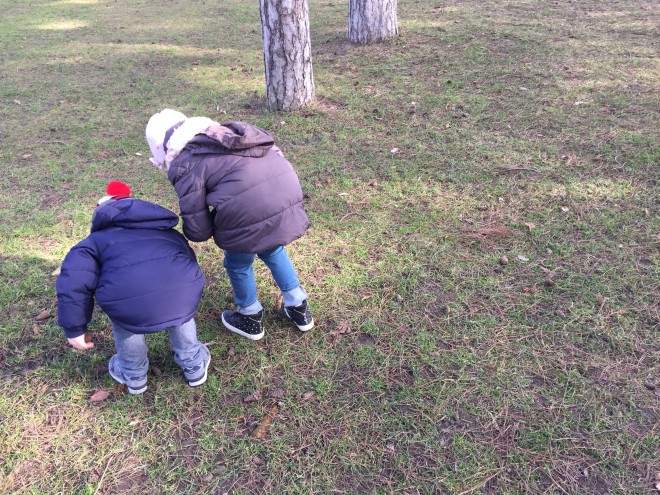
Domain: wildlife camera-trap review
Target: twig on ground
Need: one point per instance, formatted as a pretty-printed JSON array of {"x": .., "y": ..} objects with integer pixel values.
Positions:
[{"x": 98, "y": 487}]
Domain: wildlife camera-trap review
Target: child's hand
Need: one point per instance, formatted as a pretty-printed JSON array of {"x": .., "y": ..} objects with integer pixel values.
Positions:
[{"x": 81, "y": 343}]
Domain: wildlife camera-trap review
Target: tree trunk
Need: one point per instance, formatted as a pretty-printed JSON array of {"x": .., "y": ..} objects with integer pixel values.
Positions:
[
  {"x": 370, "y": 21},
  {"x": 287, "y": 53}
]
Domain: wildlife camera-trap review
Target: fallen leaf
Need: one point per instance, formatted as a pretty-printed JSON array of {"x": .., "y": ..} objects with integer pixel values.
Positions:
[
  {"x": 530, "y": 225},
  {"x": 138, "y": 154},
  {"x": 56, "y": 272},
  {"x": 341, "y": 329},
  {"x": 44, "y": 315},
  {"x": 262, "y": 428},
  {"x": 99, "y": 395},
  {"x": 26, "y": 156},
  {"x": 278, "y": 393},
  {"x": 18, "y": 102},
  {"x": 564, "y": 209},
  {"x": 253, "y": 397},
  {"x": 522, "y": 258},
  {"x": 307, "y": 395},
  {"x": 35, "y": 329},
  {"x": 394, "y": 150}
]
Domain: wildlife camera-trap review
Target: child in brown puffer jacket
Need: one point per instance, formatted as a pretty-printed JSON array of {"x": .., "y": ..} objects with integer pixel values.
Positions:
[{"x": 235, "y": 185}]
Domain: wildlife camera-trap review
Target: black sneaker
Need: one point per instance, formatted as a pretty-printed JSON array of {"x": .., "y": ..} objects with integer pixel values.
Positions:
[
  {"x": 246, "y": 325},
  {"x": 301, "y": 316}
]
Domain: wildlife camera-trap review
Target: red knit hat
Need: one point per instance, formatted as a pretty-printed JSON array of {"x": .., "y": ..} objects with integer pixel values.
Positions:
[{"x": 115, "y": 190}]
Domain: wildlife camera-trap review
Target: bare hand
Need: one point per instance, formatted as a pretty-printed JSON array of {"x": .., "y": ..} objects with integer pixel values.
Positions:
[{"x": 81, "y": 343}]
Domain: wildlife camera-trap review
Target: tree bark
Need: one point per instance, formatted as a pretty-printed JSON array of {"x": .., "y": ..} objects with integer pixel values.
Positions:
[
  {"x": 370, "y": 21},
  {"x": 287, "y": 53}
]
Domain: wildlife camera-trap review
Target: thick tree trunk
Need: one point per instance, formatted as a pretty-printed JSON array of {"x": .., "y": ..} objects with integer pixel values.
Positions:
[
  {"x": 370, "y": 21},
  {"x": 287, "y": 53}
]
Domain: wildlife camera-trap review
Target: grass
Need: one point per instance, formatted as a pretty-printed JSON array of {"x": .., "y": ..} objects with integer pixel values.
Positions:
[{"x": 488, "y": 129}]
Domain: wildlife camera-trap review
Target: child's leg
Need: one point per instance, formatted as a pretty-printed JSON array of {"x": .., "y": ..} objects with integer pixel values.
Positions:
[
  {"x": 241, "y": 275},
  {"x": 285, "y": 276},
  {"x": 189, "y": 353},
  {"x": 130, "y": 364}
]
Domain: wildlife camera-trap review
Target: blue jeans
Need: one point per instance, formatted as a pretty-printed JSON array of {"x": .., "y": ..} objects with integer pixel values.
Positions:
[
  {"x": 132, "y": 362},
  {"x": 241, "y": 275}
]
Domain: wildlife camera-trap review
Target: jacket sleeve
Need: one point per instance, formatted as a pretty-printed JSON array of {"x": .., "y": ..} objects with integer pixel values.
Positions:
[
  {"x": 195, "y": 214},
  {"x": 76, "y": 286}
]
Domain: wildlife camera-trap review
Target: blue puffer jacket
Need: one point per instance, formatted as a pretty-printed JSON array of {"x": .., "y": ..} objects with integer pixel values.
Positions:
[{"x": 142, "y": 272}]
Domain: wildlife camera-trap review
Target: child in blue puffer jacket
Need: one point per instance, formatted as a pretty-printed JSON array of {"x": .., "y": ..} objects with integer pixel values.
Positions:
[{"x": 145, "y": 276}]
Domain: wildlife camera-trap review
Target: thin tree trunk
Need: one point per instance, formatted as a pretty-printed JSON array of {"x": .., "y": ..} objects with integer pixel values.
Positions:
[
  {"x": 370, "y": 21},
  {"x": 287, "y": 53}
]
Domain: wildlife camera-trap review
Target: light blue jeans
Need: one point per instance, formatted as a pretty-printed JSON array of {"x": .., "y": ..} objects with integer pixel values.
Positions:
[
  {"x": 241, "y": 275},
  {"x": 132, "y": 362}
]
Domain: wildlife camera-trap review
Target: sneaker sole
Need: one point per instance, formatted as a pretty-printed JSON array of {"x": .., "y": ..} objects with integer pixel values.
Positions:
[
  {"x": 302, "y": 328},
  {"x": 132, "y": 391},
  {"x": 206, "y": 375},
  {"x": 250, "y": 336}
]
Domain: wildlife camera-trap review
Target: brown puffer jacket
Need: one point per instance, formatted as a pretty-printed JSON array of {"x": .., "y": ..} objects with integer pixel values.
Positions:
[{"x": 255, "y": 198}]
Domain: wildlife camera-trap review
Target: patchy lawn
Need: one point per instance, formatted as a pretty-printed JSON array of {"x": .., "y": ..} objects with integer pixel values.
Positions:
[{"x": 483, "y": 262}]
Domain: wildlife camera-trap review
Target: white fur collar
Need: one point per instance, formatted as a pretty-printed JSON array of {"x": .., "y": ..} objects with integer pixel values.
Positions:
[{"x": 183, "y": 135}]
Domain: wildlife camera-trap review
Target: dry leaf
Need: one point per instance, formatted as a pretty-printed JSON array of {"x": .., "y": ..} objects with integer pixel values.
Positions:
[
  {"x": 341, "y": 329},
  {"x": 530, "y": 225},
  {"x": 307, "y": 395},
  {"x": 35, "y": 329},
  {"x": 56, "y": 272},
  {"x": 278, "y": 393},
  {"x": 18, "y": 102},
  {"x": 394, "y": 150},
  {"x": 44, "y": 315},
  {"x": 99, "y": 395},
  {"x": 253, "y": 397},
  {"x": 262, "y": 428},
  {"x": 522, "y": 258},
  {"x": 26, "y": 156}
]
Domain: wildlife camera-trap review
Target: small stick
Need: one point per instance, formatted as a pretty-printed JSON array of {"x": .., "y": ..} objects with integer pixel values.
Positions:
[{"x": 102, "y": 476}]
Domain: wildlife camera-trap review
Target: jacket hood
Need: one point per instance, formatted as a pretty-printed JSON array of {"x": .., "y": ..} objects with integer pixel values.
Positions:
[
  {"x": 132, "y": 213},
  {"x": 236, "y": 138}
]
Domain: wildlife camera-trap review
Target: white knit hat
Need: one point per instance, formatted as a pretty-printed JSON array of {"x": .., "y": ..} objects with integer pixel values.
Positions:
[{"x": 157, "y": 126}]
